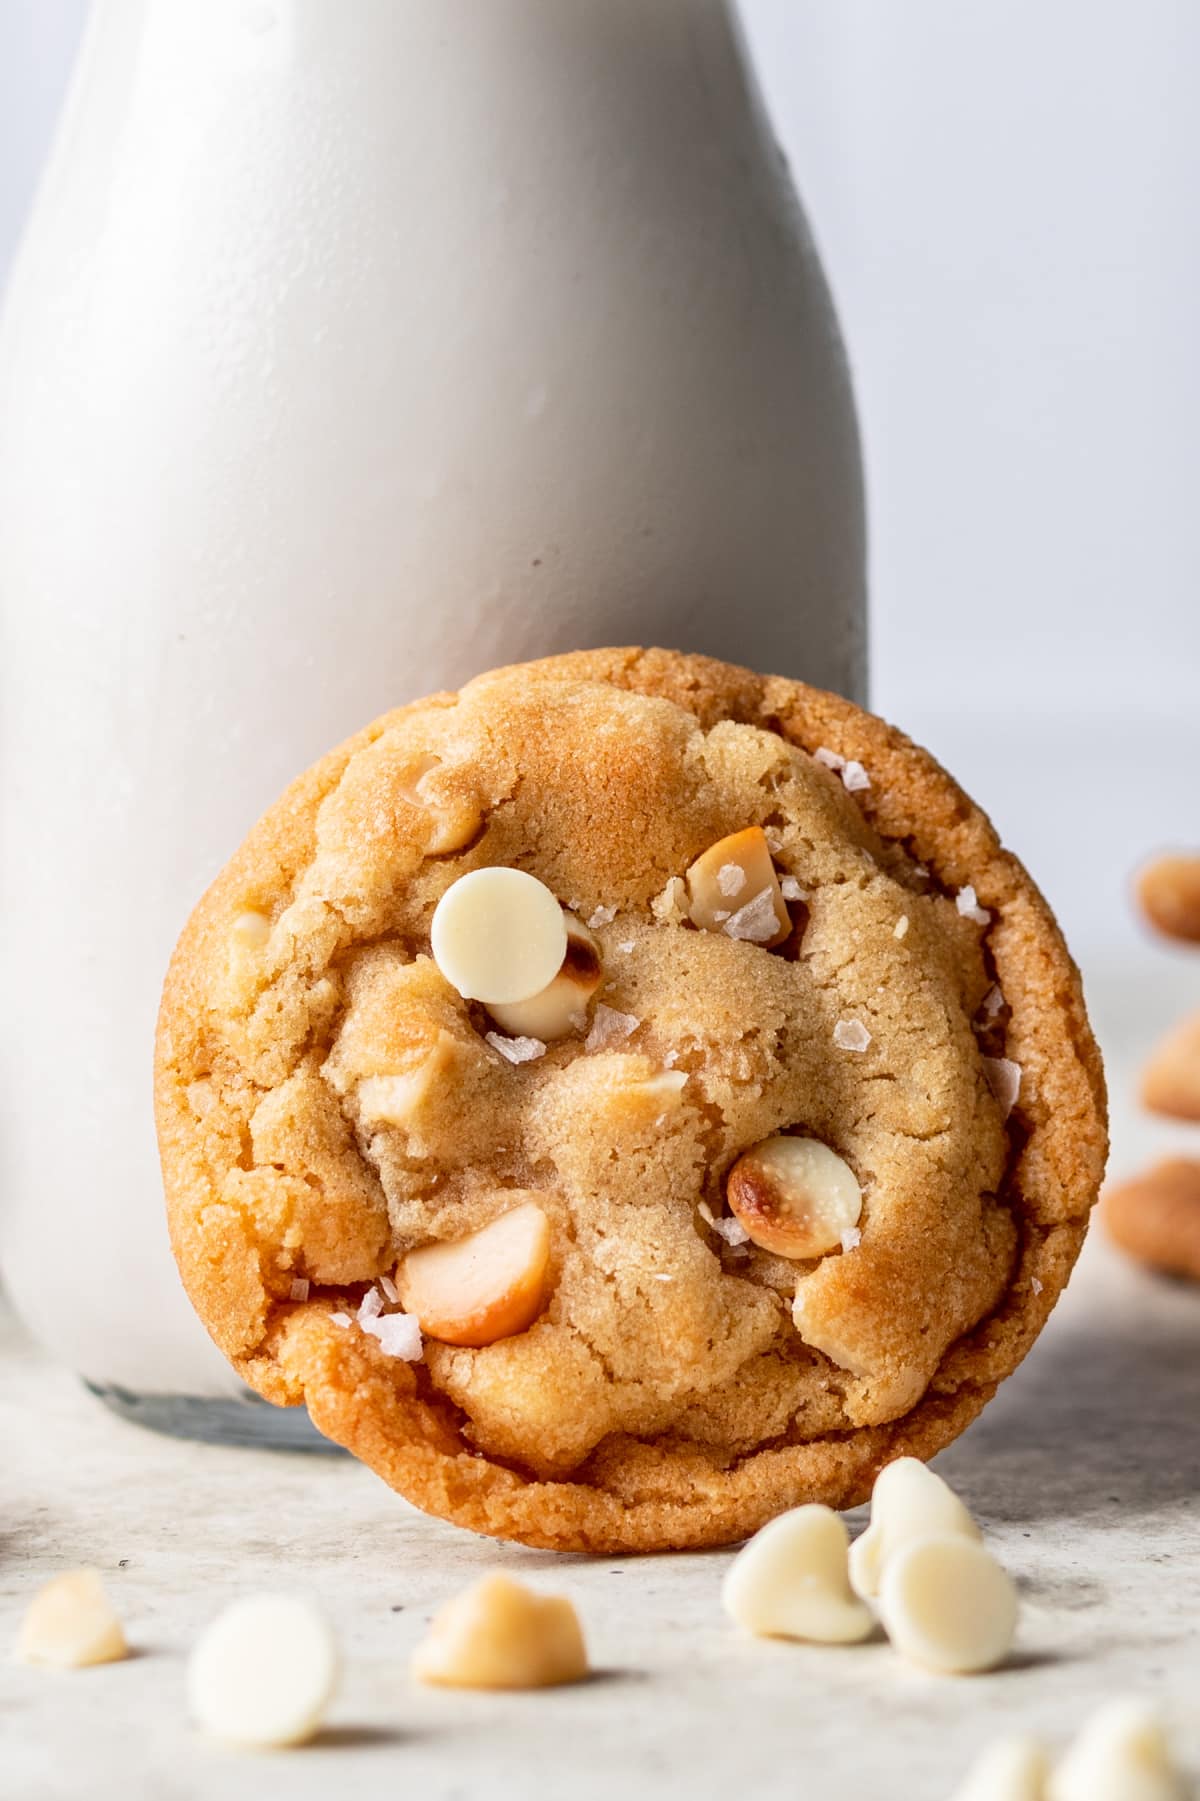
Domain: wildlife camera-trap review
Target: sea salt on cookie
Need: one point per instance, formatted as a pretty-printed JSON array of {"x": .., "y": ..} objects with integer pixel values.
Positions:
[{"x": 548, "y": 1270}]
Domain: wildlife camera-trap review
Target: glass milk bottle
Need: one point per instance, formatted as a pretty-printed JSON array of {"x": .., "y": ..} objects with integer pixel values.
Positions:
[{"x": 353, "y": 349}]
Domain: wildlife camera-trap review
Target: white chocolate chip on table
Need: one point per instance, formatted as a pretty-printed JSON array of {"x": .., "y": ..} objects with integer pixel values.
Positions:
[
  {"x": 1013, "y": 1769},
  {"x": 498, "y": 935},
  {"x": 264, "y": 1672},
  {"x": 561, "y": 1007},
  {"x": 1120, "y": 1754},
  {"x": 489, "y": 1285},
  {"x": 908, "y": 1502},
  {"x": 734, "y": 888},
  {"x": 795, "y": 1196},
  {"x": 947, "y": 1604},
  {"x": 791, "y": 1581},
  {"x": 70, "y": 1624},
  {"x": 499, "y": 1634}
]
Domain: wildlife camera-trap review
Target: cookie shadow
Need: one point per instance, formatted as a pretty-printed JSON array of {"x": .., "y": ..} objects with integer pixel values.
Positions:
[{"x": 1103, "y": 1416}]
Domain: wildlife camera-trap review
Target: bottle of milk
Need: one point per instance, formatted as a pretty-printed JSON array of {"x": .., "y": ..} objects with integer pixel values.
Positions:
[{"x": 354, "y": 349}]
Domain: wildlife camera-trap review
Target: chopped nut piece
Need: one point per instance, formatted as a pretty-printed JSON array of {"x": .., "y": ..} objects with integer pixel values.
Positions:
[
  {"x": 1121, "y": 1754},
  {"x": 794, "y": 1196},
  {"x": 1004, "y": 1080},
  {"x": 790, "y": 1581},
  {"x": 1171, "y": 1079},
  {"x": 500, "y": 1634},
  {"x": 908, "y": 1502},
  {"x": 851, "y": 1035},
  {"x": 454, "y": 812},
  {"x": 498, "y": 935},
  {"x": 70, "y": 1624},
  {"x": 947, "y": 1604},
  {"x": 671, "y": 906},
  {"x": 1169, "y": 892},
  {"x": 557, "y": 1010},
  {"x": 395, "y": 1100},
  {"x": 491, "y": 1284},
  {"x": 264, "y": 1672},
  {"x": 1012, "y": 1769},
  {"x": 763, "y": 917}
]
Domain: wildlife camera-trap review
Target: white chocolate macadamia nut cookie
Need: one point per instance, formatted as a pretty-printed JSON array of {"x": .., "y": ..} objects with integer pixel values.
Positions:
[{"x": 549, "y": 1097}]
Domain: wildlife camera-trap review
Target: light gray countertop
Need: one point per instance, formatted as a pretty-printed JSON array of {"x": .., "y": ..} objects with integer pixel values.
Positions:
[{"x": 1085, "y": 1472}]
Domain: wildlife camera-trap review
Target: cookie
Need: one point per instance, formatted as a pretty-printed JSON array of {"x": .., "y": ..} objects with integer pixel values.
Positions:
[
  {"x": 506, "y": 1261},
  {"x": 1156, "y": 1217}
]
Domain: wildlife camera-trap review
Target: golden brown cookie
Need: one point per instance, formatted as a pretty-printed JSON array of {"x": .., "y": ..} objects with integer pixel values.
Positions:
[
  {"x": 1156, "y": 1217},
  {"x": 627, "y": 1357}
]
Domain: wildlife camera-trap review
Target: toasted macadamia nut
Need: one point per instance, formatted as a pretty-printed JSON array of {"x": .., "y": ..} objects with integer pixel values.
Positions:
[
  {"x": 264, "y": 1672},
  {"x": 561, "y": 1007},
  {"x": 500, "y": 1634},
  {"x": 70, "y": 1623},
  {"x": 498, "y": 936},
  {"x": 1121, "y": 1754},
  {"x": 794, "y": 1196},
  {"x": 947, "y": 1604},
  {"x": 1169, "y": 892},
  {"x": 1156, "y": 1216},
  {"x": 453, "y": 811},
  {"x": 733, "y": 888},
  {"x": 1012, "y": 1769},
  {"x": 489, "y": 1285},
  {"x": 1171, "y": 1079},
  {"x": 908, "y": 1502},
  {"x": 790, "y": 1581},
  {"x": 397, "y": 1100}
]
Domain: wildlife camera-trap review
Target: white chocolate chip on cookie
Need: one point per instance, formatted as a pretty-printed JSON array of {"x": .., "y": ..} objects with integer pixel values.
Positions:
[
  {"x": 264, "y": 1672},
  {"x": 790, "y": 1581},
  {"x": 795, "y": 1196},
  {"x": 947, "y": 1604},
  {"x": 733, "y": 888},
  {"x": 498, "y": 936},
  {"x": 561, "y": 1007},
  {"x": 70, "y": 1623},
  {"x": 500, "y": 1634},
  {"x": 908, "y": 1502},
  {"x": 1012, "y": 1769},
  {"x": 1121, "y": 1754},
  {"x": 491, "y": 1284}
]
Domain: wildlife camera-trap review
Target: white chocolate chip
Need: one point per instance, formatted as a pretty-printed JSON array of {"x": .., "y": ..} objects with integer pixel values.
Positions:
[
  {"x": 947, "y": 1604},
  {"x": 501, "y": 1635},
  {"x": 795, "y": 1196},
  {"x": 251, "y": 930},
  {"x": 909, "y": 1502},
  {"x": 967, "y": 903},
  {"x": 1013, "y": 1769},
  {"x": 264, "y": 1672},
  {"x": 762, "y": 918},
  {"x": 489, "y": 1285},
  {"x": 1004, "y": 1080},
  {"x": 851, "y": 1035},
  {"x": 1121, "y": 1754},
  {"x": 790, "y": 1581},
  {"x": 498, "y": 935},
  {"x": 562, "y": 1005},
  {"x": 70, "y": 1624},
  {"x": 396, "y": 1100}
]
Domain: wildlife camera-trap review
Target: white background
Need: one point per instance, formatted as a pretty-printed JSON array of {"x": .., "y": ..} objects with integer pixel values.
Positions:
[{"x": 1007, "y": 195}]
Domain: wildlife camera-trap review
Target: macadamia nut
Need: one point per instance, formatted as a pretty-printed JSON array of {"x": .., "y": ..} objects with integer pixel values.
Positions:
[
  {"x": 733, "y": 888},
  {"x": 498, "y": 935},
  {"x": 489, "y": 1285},
  {"x": 500, "y": 1634},
  {"x": 908, "y": 1502},
  {"x": 561, "y": 1007},
  {"x": 946, "y": 1603},
  {"x": 264, "y": 1672},
  {"x": 795, "y": 1196},
  {"x": 791, "y": 1581},
  {"x": 70, "y": 1623}
]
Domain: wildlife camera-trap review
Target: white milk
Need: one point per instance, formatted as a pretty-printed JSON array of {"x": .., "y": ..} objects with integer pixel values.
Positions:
[{"x": 355, "y": 348}]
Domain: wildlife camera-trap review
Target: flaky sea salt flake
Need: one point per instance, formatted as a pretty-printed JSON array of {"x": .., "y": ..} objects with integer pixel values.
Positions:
[
  {"x": 731, "y": 879},
  {"x": 1004, "y": 1080},
  {"x": 299, "y": 1289},
  {"x": 391, "y": 1293},
  {"x": 1035, "y": 1285},
  {"x": 993, "y": 1002},
  {"x": 851, "y": 1238},
  {"x": 731, "y": 1230},
  {"x": 790, "y": 889},
  {"x": 851, "y": 1035},
  {"x": 516, "y": 1050},
  {"x": 399, "y": 1335},
  {"x": 370, "y": 1307},
  {"x": 603, "y": 916},
  {"x": 855, "y": 777},
  {"x": 339, "y": 1319},
  {"x": 967, "y": 902},
  {"x": 610, "y": 1027},
  {"x": 900, "y": 929},
  {"x": 829, "y": 759},
  {"x": 756, "y": 922}
]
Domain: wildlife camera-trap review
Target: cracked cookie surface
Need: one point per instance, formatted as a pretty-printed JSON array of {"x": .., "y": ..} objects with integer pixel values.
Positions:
[{"x": 328, "y": 1103}]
